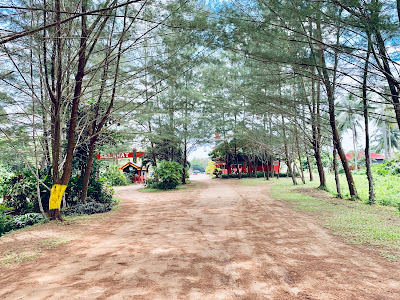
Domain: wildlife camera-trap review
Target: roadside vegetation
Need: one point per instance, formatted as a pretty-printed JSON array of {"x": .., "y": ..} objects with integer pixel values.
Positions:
[
  {"x": 105, "y": 77},
  {"x": 356, "y": 221}
]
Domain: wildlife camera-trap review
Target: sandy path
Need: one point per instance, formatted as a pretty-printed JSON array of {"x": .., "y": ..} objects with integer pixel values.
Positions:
[{"x": 223, "y": 241}]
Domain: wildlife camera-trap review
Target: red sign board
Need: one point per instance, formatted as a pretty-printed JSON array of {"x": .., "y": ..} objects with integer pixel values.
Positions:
[
  {"x": 133, "y": 154},
  {"x": 115, "y": 155}
]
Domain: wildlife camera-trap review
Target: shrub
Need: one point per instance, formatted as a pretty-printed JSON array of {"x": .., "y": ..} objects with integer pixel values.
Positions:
[
  {"x": 88, "y": 208},
  {"x": 115, "y": 177},
  {"x": 389, "y": 168},
  {"x": 26, "y": 220},
  {"x": 8, "y": 223},
  {"x": 5, "y": 219},
  {"x": 97, "y": 190},
  {"x": 169, "y": 174},
  {"x": 21, "y": 192}
]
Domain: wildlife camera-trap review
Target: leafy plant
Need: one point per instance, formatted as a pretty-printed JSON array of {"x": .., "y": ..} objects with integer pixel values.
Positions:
[
  {"x": 88, "y": 208},
  {"x": 97, "y": 190},
  {"x": 169, "y": 174},
  {"x": 21, "y": 192},
  {"x": 115, "y": 177},
  {"x": 26, "y": 220},
  {"x": 5, "y": 219}
]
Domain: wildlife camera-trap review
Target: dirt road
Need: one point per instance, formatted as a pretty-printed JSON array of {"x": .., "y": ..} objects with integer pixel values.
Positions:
[{"x": 220, "y": 241}]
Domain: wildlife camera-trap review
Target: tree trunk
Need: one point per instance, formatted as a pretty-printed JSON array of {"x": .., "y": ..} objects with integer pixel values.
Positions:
[
  {"x": 271, "y": 159},
  {"x": 184, "y": 162},
  {"x": 309, "y": 166},
  {"x": 289, "y": 167},
  {"x": 371, "y": 193},
  {"x": 355, "y": 150},
  {"x": 299, "y": 155},
  {"x": 336, "y": 172},
  {"x": 314, "y": 110},
  {"x": 390, "y": 78},
  {"x": 332, "y": 117}
]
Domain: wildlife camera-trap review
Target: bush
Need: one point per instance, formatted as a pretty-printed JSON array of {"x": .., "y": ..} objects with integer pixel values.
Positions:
[
  {"x": 26, "y": 220},
  {"x": 21, "y": 193},
  {"x": 389, "y": 168},
  {"x": 8, "y": 223},
  {"x": 5, "y": 219},
  {"x": 169, "y": 174},
  {"x": 115, "y": 177},
  {"x": 97, "y": 190},
  {"x": 88, "y": 208}
]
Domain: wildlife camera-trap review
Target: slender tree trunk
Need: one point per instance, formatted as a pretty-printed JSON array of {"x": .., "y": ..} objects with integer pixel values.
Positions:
[
  {"x": 336, "y": 172},
  {"x": 316, "y": 137},
  {"x": 371, "y": 197},
  {"x": 289, "y": 167},
  {"x": 309, "y": 166},
  {"x": 389, "y": 142},
  {"x": 332, "y": 117},
  {"x": 394, "y": 85},
  {"x": 96, "y": 128},
  {"x": 271, "y": 159},
  {"x": 385, "y": 141},
  {"x": 398, "y": 10},
  {"x": 184, "y": 161},
  {"x": 299, "y": 155},
  {"x": 355, "y": 150}
]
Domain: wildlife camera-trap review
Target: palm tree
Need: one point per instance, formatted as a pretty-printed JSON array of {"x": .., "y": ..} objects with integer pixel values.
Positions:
[
  {"x": 381, "y": 138},
  {"x": 387, "y": 135},
  {"x": 350, "y": 118}
]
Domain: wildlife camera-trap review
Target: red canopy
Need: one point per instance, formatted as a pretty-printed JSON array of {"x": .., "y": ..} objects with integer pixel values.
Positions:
[{"x": 361, "y": 154}]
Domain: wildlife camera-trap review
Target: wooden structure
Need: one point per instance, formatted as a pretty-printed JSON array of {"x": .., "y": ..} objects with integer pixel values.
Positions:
[
  {"x": 136, "y": 173},
  {"x": 246, "y": 166}
]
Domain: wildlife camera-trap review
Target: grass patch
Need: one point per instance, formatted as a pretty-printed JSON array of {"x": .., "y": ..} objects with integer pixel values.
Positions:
[
  {"x": 53, "y": 243},
  {"x": 11, "y": 258},
  {"x": 358, "y": 222},
  {"x": 253, "y": 181},
  {"x": 387, "y": 188}
]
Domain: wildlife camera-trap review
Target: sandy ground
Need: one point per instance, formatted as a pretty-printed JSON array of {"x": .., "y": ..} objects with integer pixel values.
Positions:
[{"x": 220, "y": 241}]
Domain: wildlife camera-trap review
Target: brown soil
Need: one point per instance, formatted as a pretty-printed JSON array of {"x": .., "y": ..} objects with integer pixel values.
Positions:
[{"x": 219, "y": 241}]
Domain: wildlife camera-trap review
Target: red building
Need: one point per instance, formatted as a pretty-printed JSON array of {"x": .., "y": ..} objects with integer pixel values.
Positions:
[{"x": 247, "y": 167}]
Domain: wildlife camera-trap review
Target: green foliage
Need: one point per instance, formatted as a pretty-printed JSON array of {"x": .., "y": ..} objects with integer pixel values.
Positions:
[
  {"x": 115, "y": 177},
  {"x": 21, "y": 192},
  {"x": 97, "y": 191},
  {"x": 387, "y": 188},
  {"x": 26, "y": 220},
  {"x": 358, "y": 222},
  {"x": 169, "y": 174},
  {"x": 389, "y": 168},
  {"x": 88, "y": 208},
  {"x": 8, "y": 223},
  {"x": 5, "y": 219},
  {"x": 199, "y": 164}
]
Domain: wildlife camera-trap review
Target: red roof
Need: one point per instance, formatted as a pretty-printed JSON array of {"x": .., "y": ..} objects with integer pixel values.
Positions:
[
  {"x": 130, "y": 164},
  {"x": 361, "y": 154}
]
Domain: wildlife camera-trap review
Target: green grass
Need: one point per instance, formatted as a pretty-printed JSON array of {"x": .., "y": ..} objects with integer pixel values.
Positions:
[
  {"x": 53, "y": 243},
  {"x": 358, "y": 222},
  {"x": 387, "y": 188},
  {"x": 11, "y": 258},
  {"x": 253, "y": 181}
]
